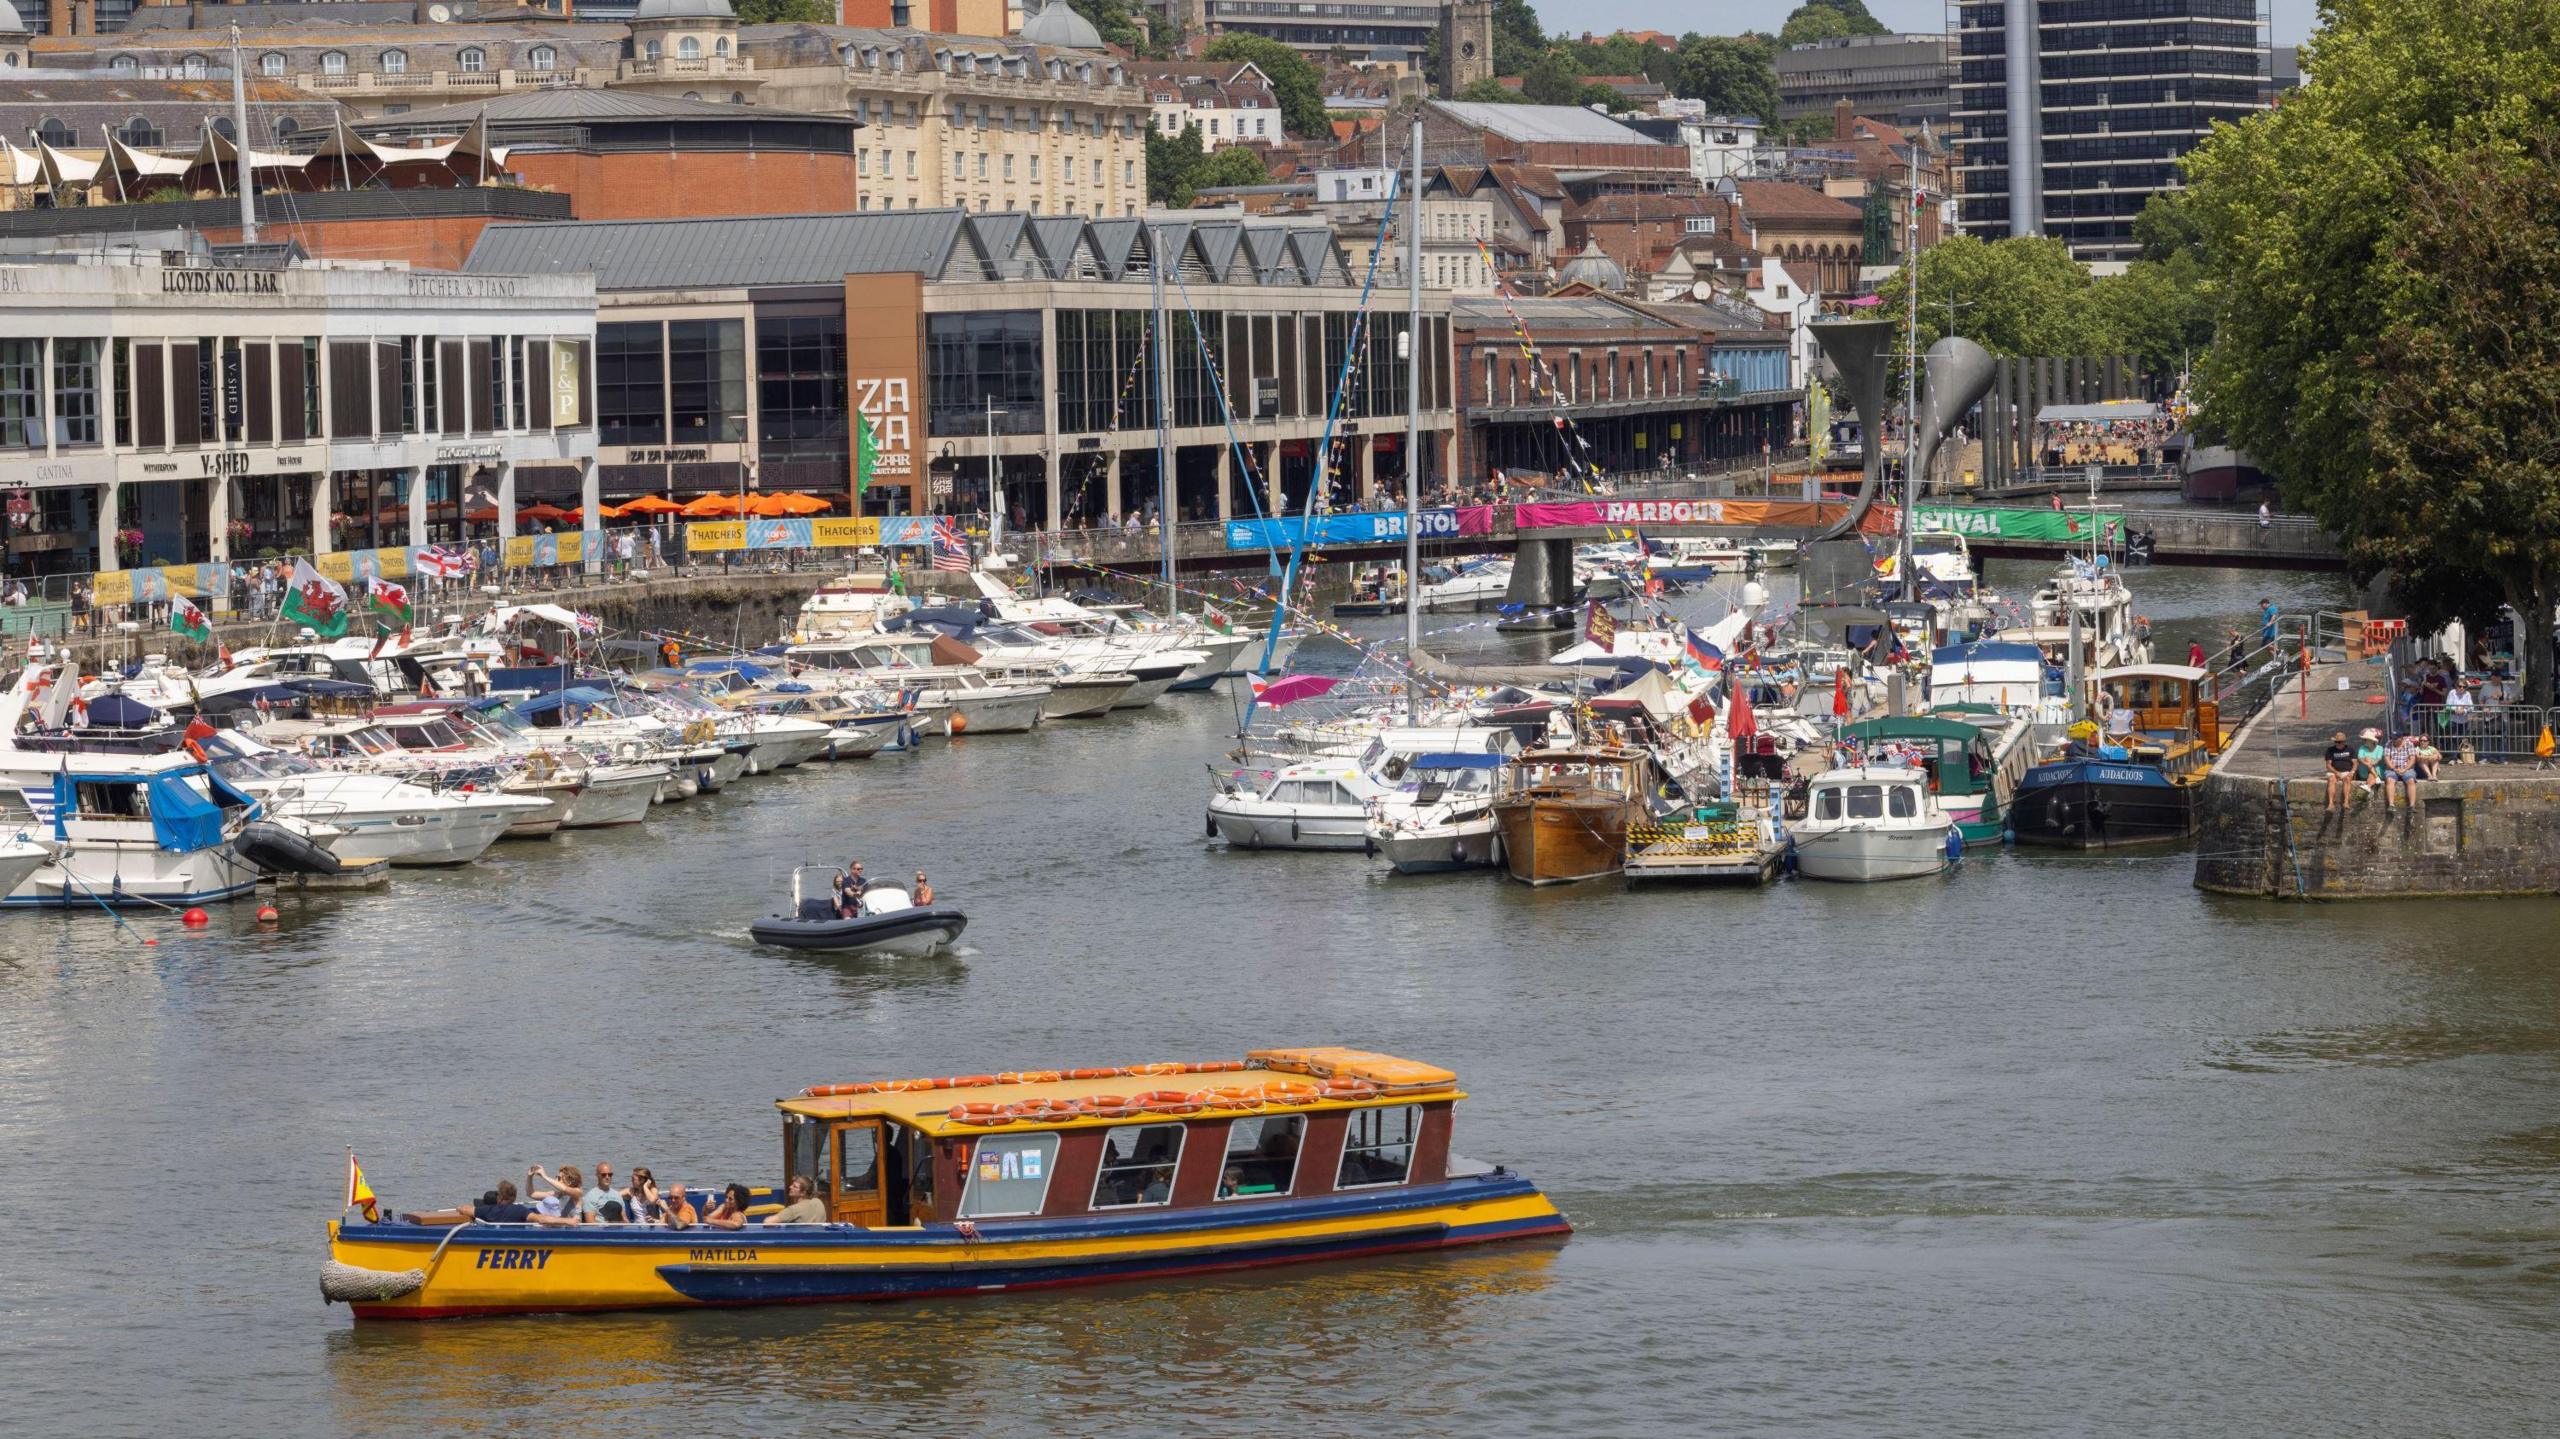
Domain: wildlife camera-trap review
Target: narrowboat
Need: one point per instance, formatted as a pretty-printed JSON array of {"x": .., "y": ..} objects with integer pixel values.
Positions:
[
  {"x": 2131, "y": 775},
  {"x": 992, "y": 1182}
]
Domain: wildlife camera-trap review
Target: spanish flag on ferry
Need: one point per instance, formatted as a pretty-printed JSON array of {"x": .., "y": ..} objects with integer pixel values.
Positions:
[{"x": 359, "y": 1193}]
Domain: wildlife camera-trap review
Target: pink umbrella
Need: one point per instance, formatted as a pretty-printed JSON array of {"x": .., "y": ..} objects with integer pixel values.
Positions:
[{"x": 1288, "y": 689}]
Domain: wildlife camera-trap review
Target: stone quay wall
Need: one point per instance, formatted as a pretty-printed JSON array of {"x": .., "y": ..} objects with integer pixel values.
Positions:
[{"x": 2473, "y": 836}]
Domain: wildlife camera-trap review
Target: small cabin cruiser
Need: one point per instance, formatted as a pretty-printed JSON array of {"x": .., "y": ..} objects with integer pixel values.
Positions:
[
  {"x": 891, "y": 922},
  {"x": 1869, "y": 824},
  {"x": 2132, "y": 774},
  {"x": 1325, "y": 802},
  {"x": 1447, "y": 822}
]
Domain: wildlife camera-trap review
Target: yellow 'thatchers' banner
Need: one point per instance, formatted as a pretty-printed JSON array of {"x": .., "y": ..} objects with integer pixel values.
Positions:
[
  {"x": 714, "y": 536},
  {"x": 523, "y": 551}
]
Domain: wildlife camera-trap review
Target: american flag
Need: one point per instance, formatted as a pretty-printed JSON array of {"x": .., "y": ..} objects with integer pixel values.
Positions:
[{"x": 950, "y": 552}]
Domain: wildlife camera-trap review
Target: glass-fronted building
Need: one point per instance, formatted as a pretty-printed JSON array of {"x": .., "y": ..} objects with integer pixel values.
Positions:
[{"x": 2073, "y": 113}]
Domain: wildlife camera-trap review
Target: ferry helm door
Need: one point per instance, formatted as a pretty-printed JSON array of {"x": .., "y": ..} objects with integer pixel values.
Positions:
[{"x": 854, "y": 1194}]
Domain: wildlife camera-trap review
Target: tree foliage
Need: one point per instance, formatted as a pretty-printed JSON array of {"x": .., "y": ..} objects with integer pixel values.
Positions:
[
  {"x": 1552, "y": 79},
  {"x": 2381, "y": 249},
  {"x": 1517, "y": 37},
  {"x": 1293, "y": 78},
  {"x": 787, "y": 12},
  {"x": 1815, "y": 22},
  {"x": 1489, "y": 92},
  {"x": 1109, "y": 18},
  {"x": 1179, "y": 167},
  {"x": 1853, "y": 13},
  {"x": 1732, "y": 75}
]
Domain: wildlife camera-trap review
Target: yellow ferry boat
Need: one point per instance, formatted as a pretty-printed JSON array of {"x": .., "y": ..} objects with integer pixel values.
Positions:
[{"x": 990, "y": 1182}]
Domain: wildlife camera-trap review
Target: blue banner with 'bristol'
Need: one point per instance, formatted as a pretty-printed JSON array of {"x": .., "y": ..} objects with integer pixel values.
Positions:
[{"x": 1354, "y": 527}]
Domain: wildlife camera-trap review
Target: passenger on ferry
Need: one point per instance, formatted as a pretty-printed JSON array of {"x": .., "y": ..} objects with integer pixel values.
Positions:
[
  {"x": 643, "y": 1196},
  {"x": 804, "y": 1208},
  {"x": 731, "y": 1211},
  {"x": 599, "y": 1193},
  {"x": 563, "y": 1195},
  {"x": 497, "y": 1206},
  {"x": 678, "y": 1212}
]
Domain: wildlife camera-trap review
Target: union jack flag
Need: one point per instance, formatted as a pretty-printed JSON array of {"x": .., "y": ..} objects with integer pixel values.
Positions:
[{"x": 950, "y": 552}]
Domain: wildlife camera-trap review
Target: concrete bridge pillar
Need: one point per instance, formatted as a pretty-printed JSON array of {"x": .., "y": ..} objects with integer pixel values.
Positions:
[{"x": 1541, "y": 585}]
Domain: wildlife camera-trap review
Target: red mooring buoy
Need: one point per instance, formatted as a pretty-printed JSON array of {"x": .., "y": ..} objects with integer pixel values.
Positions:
[
  {"x": 266, "y": 914},
  {"x": 195, "y": 917}
]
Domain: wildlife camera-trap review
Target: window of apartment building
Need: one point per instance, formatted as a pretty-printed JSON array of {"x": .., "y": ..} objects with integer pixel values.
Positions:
[
  {"x": 1213, "y": 128},
  {"x": 333, "y": 63},
  {"x": 1097, "y": 172},
  {"x": 1035, "y": 169},
  {"x": 1128, "y": 172},
  {"x": 689, "y": 48},
  {"x": 982, "y": 164},
  {"x": 271, "y": 64},
  {"x": 631, "y": 384},
  {"x": 1261, "y": 125},
  {"x": 138, "y": 132},
  {"x": 707, "y": 381},
  {"x": 911, "y": 164},
  {"x": 21, "y": 395},
  {"x": 862, "y": 164},
  {"x": 1008, "y": 166},
  {"x": 800, "y": 387},
  {"x": 395, "y": 62},
  {"x": 542, "y": 58},
  {"x": 472, "y": 60},
  {"x": 194, "y": 67}
]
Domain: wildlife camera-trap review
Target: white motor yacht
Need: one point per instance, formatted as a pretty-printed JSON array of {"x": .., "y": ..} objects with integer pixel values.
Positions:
[
  {"x": 1472, "y": 585},
  {"x": 370, "y": 816},
  {"x": 1326, "y": 802},
  {"x": 1446, "y": 822},
  {"x": 1865, "y": 825},
  {"x": 21, "y": 855},
  {"x": 949, "y": 698}
]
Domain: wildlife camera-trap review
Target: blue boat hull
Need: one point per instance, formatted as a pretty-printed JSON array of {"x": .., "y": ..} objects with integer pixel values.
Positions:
[{"x": 2099, "y": 804}]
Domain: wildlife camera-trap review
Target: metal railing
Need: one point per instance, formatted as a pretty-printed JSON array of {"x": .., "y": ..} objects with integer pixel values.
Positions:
[{"x": 2483, "y": 734}]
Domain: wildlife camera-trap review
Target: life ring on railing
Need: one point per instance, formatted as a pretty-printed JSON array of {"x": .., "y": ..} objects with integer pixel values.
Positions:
[{"x": 196, "y": 750}]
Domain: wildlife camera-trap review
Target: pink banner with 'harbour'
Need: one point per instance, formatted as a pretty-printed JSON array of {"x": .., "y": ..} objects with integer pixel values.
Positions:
[{"x": 1627, "y": 514}]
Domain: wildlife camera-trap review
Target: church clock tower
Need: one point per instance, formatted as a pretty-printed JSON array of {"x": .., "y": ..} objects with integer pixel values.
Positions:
[{"x": 1466, "y": 42}]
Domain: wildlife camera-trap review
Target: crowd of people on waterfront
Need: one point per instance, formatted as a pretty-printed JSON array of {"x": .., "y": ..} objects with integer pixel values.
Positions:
[
  {"x": 2356, "y": 770},
  {"x": 2128, "y": 441},
  {"x": 568, "y": 1200}
]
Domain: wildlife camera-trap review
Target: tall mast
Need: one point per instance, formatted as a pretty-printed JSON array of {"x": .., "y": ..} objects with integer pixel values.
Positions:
[
  {"x": 1413, "y": 426},
  {"x": 1910, "y": 370},
  {"x": 1164, "y": 418},
  {"x": 240, "y": 143}
]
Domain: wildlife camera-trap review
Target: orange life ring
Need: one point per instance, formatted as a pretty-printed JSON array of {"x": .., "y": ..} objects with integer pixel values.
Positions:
[
  {"x": 1107, "y": 1072},
  {"x": 1290, "y": 1093},
  {"x": 196, "y": 750},
  {"x": 1349, "y": 1089},
  {"x": 1105, "y": 1106},
  {"x": 1232, "y": 1097},
  {"x": 1041, "y": 1107},
  {"x": 1028, "y": 1076},
  {"x": 1168, "y": 1101},
  {"x": 1163, "y": 1068},
  {"x": 980, "y": 1114}
]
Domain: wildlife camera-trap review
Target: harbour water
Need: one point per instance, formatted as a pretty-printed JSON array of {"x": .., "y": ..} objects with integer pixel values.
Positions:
[{"x": 2055, "y": 1145}]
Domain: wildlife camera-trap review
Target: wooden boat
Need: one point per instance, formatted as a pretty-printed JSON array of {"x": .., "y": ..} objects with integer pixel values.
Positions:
[
  {"x": 1009, "y": 1181},
  {"x": 1564, "y": 814},
  {"x": 2132, "y": 776}
]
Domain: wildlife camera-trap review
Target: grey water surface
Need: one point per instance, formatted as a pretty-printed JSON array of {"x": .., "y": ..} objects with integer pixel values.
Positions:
[{"x": 2055, "y": 1145}]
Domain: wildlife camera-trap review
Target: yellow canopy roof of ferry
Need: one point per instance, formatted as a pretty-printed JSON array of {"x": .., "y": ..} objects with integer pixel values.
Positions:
[{"x": 930, "y": 1109}]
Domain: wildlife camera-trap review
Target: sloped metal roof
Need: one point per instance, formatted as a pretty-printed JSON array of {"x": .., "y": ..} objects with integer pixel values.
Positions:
[
  {"x": 1055, "y": 237},
  {"x": 733, "y": 251},
  {"x": 564, "y": 104},
  {"x": 1534, "y": 124}
]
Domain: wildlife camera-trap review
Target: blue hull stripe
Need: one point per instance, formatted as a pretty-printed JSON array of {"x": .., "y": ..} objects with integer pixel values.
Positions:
[
  {"x": 73, "y": 897},
  {"x": 768, "y": 1284}
]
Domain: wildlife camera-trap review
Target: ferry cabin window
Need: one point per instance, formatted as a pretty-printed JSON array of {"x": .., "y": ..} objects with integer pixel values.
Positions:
[
  {"x": 1262, "y": 1156},
  {"x": 1866, "y": 801},
  {"x": 803, "y": 1141},
  {"x": 1008, "y": 1175},
  {"x": 1826, "y": 804},
  {"x": 857, "y": 1161},
  {"x": 1905, "y": 803},
  {"x": 1137, "y": 1166},
  {"x": 1377, "y": 1146}
]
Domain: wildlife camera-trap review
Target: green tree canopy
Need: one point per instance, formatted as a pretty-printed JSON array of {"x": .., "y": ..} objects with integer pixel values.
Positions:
[
  {"x": 1231, "y": 165},
  {"x": 1174, "y": 163},
  {"x": 1517, "y": 37},
  {"x": 788, "y": 12},
  {"x": 1853, "y": 15},
  {"x": 1490, "y": 92},
  {"x": 1293, "y": 78},
  {"x": 1815, "y": 22},
  {"x": 2381, "y": 251},
  {"x": 1553, "y": 79},
  {"x": 1733, "y": 75}
]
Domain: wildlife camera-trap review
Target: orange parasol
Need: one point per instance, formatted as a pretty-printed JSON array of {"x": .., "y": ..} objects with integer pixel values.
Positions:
[
  {"x": 603, "y": 512},
  {"x": 651, "y": 505},
  {"x": 705, "y": 506},
  {"x": 785, "y": 504},
  {"x": 543, "y": 511}
]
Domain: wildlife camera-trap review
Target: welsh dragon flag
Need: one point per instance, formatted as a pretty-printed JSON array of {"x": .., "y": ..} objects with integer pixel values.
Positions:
[
  {"x": 312, "y": 598},
  {"x": 188, "y": 620},
  {"x": 387, "y": 599}
]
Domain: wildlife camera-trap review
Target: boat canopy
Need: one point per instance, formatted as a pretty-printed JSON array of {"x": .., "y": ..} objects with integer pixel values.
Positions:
[
  {"x": 545, "y": 704},
  {"x": 1985, "y": 652},
  {"x": 183, "y": 818},
  {"x": 121, "y": 711},
  {"x": 1907, "y": 727},
  {"x": 1428, "y": 762},
  {"x": 2189, "y": 673},
  {"x": 534, "y": 679}
]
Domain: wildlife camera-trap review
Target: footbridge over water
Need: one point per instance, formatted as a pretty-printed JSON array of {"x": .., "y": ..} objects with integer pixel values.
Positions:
[{"x": 2180, "y": 536}]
